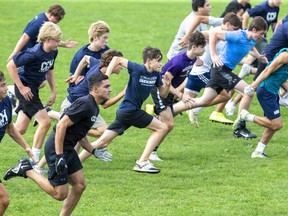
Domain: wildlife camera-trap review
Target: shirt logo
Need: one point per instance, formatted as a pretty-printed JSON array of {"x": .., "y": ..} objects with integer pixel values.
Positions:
[
  {"x": 93, "y": 118},
  {"x": 3, "y": 118},
  {"x": 147, "y": 81},
  {"x": 45, "y": 66},
  {"x": 276, "y": 112},
  {"x": 271, "y": 16}
]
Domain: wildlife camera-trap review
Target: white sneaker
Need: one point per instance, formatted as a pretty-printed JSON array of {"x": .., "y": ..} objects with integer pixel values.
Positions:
[
  {"x": 283, "y": 101},
  {"x": 257, "y": 154},
  {"x": 154, "y": 156},
  {"x": 230, "y": 108},
  {"x": 245, "y": 70},
  {"x": 146, "y": 167},
  {"x": 193, "y": 117},
  {"x": 241, "y": 116}
]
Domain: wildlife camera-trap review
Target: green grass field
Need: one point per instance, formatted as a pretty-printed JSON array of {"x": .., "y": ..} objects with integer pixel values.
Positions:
[{"x": 205, "y": 171}]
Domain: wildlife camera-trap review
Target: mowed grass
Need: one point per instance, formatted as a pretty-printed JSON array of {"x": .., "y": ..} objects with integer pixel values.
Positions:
[{"x": 205, "y": 171}]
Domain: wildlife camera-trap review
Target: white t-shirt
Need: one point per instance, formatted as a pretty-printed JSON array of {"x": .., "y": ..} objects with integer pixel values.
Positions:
[
  {"x": 206, "y": 57},
  {"x": 175, "y": 47}
]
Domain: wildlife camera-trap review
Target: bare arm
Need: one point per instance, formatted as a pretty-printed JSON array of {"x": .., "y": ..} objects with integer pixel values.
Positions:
[
  {"x": 19, "y": 46},
  {"x": 114, "y": 63},
  {"x": 25, "y": 91},
  {"x": 214, "y": 36},
  {"x": 68, "y": 44},
  {"x": 245, "y": 20},
  {"x": 254, "y": 52},
  {"x": 17, "y": 137},
  {"x": 196, "y": 22},
  {"x": 164, "y": 89},
  {"x": 86, "y": 144},
  {"x": 276, "y": 64},
  {"x": 61, "y": 128},
  {"x": 82, "y": 64},
  {"x": 115, "y": 99},
  {"x": 51, "y": 80}
]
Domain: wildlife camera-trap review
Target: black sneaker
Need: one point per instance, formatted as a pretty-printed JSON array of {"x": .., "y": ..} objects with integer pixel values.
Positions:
[
  {"x": 244, "y": 132},
  {"x": 18, "y": 170},
  {"x": 48, "y": 109}
]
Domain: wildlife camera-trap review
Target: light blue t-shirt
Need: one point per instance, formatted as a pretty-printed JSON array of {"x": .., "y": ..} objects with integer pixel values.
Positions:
[
  {"x": 139, "y": 86},
  {"x": 238, "y": 45},
  {"x": 274, "y": 81}
]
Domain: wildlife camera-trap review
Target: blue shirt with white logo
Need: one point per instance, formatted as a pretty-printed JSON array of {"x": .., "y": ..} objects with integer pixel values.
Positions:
[
  {"x": 34, "y": 63},
  {"x": 5, "y": 115},
  {"x": 139, "y": 86}
]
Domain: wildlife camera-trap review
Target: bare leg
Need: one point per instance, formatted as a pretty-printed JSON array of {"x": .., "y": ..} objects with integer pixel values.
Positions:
[
  {"x": 77, "y": 181},
  {"x": 44, "y": 124},
  {"x": 97, "y": 132},
  {"x": 159, "y": 131},
  {"x": 22, "y": 122},
  {"x": 4, "y": 199},
  {"x": 58, "y": 192}
]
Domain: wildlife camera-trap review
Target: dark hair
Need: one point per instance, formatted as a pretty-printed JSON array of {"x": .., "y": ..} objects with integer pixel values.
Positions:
[
  {"x": 197, "y": 3},
  {"x": 57, "y": 11},
  {"x": 96, "y": 79},
  {"x": 197, "y": 39},
  {"x": 2, "y": 76},
  {"x": 151, "y": 53},
  {"x": 232, "y": 7},
  {"x": 233, "y": 19},
  {"x": 259, "y": 23},
  {"x": 107, "y": 56}
]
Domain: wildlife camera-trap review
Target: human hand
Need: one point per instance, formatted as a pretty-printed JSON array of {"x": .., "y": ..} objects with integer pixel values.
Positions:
[
  {"x": 102, "y": 154},
  {"x": 60, "y": 164},
  {"x": 249, "y": 90}
]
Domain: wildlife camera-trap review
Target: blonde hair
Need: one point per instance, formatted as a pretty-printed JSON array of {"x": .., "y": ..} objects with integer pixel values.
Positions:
[
  {"x": 98, "y": 29},
  {"x": 49, "y": 30}
]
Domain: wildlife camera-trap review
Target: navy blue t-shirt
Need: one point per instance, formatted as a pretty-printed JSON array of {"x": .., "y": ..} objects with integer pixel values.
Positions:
[
  {"x": 34, "y": 63},
  {"x": 285, "y": 19},
  {"x": 278, "y": 41},
  {"x": 270, "y": 14},
  {"x": 5, "y": 115},
  {"x": 82, "y": 88},
  {"x": 80, "y": 54},
  {"x": 32, "y": 29},
  {"x": 139, "y": 86},
  {"x": 83, "y": 113},
  {"x": 179, "y": 66}
]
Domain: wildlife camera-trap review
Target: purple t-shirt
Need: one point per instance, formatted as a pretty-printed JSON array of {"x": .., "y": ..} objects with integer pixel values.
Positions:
[{"x": 179, "y": 66}]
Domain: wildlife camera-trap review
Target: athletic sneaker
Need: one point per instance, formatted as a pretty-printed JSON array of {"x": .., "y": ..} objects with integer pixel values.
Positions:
[
  {"x": 193, "y": 118},
  {"x": 245, "y": 133},
  {"x": 283, "y": 101},
  {"x": 154, "y": 156},
  {"x": 18, "y": 170},
  {"x": 241, "y": 117},
  {"x": 146, "y": 167},
  {"x": 257, "y": 154},
  {"x": 48, "y": 109},
  {"x": 219, "y": 117},
  {"x": 230, "y": 108},
  {"x": 245, "y": 70}
]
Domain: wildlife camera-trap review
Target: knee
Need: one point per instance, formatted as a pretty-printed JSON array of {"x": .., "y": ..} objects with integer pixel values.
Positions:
[
  {"x": 45, "y": 124},
  {"x": 165, "y": 128},
  {"x": 61, "y": 196},
  {"x": 170, "y": 126},
  {"x": 22, "y": 130},
  {"x": 277, "y": 126}
]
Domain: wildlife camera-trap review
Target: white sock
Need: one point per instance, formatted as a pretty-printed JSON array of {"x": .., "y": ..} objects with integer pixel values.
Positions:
[
  {"x": 250, "y": 117},
  {"x": 197, "y": 109},
  {"x": 36, "y": 152},
  {"x": 260, "y": 147}
]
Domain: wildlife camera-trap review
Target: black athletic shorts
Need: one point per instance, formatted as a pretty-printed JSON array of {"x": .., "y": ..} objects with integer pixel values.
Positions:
[
  {"x": 127, "y": 118},
  {"x": 72, "y": 160},
  {"x": 161, "y": 104},
  {"x": 30, "y": 108},
  {"x": 222, "y": 78}
]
